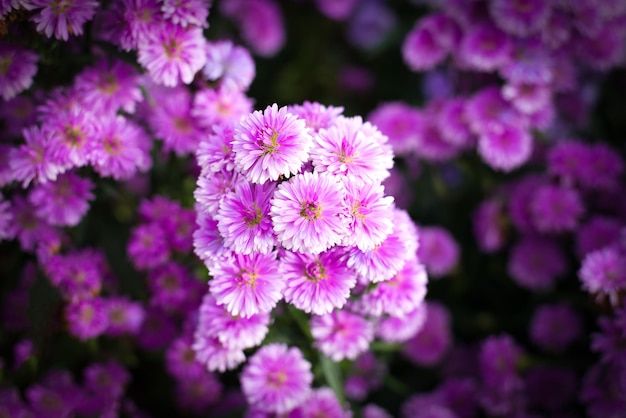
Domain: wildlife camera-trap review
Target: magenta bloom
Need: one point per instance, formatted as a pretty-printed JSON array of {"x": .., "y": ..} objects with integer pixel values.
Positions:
[
  {"x": 271, "y": 144},
  {"x": 78, "y": 275},
  {"x": 487, "y": 107},
  {"x": 172, "y": 54},
  {"x": 535, "y": 263},
  {"x": 247, "y": 284},
  {"x": 128, "y": 22},
  {"x": 555, "y": 327},
  {"x": 33, "y": 160},
  {"x": 336, "y": 10},
  {"x": 452, "y": 123},
  {"x": 87, "y": 318},
  {"x": 568, "y": 158},
  {"x": 433, "y": 341},
  {"x": 520, "y": 17},
  {"x": 215, "y": 151},
  {"x": 369, "y": 215},
  {"x": 430, "y": 41},
  {"x": 603, "y": 272},
  {"x": 110, "y": 85},
  {"x": 124, "y": 316},
  {"x": 276, "y": 379},
  {"x": 147, "y": 246},
  {"x": 223, "y": 106},
  {"x": 321, "y": 402},
  {"x": 401, "y": 123},
  {"x": 62, "y": 17},
  {"x": 243, "y": 219},
  {"x": 306, "y": 212},
  {"x": 186, "y": 12},
  {"x": 180, "y": 360},
  {"x": 604, "y": 167},
  {"x": 213, "y": 188},
  {"x": 484, "y": 47},
  {"x": 438, "y": 250},
  {"x": 17, "y": 69},
  {"x": 397, "y": 329},
  {"x": 489, "y": 228},
  {"x": 505, "y": 147},
  {"x": 63, "y": 202},
  {"x": 556, "y": 208},
  {"x": 597, "y": 233},
  {"x": 229, "y": 63},
  {"x": 498, "y": 360},
  {"x": 316, "y": 116},
  {"x": 401, "y": 294},
  {"x": 213, "y": 354},
  {"x": 208, "y": 243},
  {"x": 233, "y": 331},
  {"x": 261, "y": 24},
  {"x": 172, "y": 287},
  {"x": 317, "y": 283},
  {"x": 352, "y": 148},
  {"x": 72, "y": 135}
]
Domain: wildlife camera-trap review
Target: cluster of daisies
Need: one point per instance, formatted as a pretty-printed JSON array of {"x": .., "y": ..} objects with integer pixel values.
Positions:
[{"x": 291, "y": 207}]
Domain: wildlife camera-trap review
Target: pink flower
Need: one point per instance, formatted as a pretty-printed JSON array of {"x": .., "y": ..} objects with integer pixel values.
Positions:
[
  {"x": 401, "y": 123},
  {"x": 438, "y": 250},
  {"x": 276, "y": 379},
  {"x": 172, "y": 54},
  {"x": 34, "y": 160},
  {"x": 17, "y": 69},
  {"x": 229, "y": 63},
  {"x": 306, "y": 212},
  {"x": 556, "y": 208},
  {"x": 87, "y": 318},
  {"x": 62, "y": 17},
  {"x": 430, "y": 41},
  {"x": 535, "y": 263},
  {"x": 520, "y": 17},
  {"x": 271, "y": 144},
  {"x": 505, "y": 147},
  {"x": 484, "y": 47},
  {"x": 186, "y": 12}
]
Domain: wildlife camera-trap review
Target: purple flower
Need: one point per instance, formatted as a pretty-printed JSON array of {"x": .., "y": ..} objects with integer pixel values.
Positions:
[
  {"x": 401, "y": 123},
  {"x": 352, "y": 148},
  {"x": 432, "y": 342},
  {"x": 271, "y": 144},
  {"x": 198, "y": 392},
  {"x": 87, "y": 318},
  {"x": 147, "y": 246},
  {"x": 321, "y": 402},
  {"x": 400, "y": 295},
  {"x": 604, "y": 168},
  {"x": 186, "y": 12},
  {"x": 452, "y": 123},
  {"x": 489, "y": 227},
  {"x": 603, "y": 272},
  {"x": 317, "y": 283},
  {"x": 316, "y": 115},
  {"x": 61, "y": 17},
  {"x": 276, "y": 379},
  {"x": 247, "y": 284},
  {"x": 598, "y": 232},
  {"x": 17, "y": 69},
  {"x": 438, "y": 250},
  {"x": 602, "y": 50},
  {"x": 157, "y": 330},
  {"x": 78, "y": 275},
  {"x": 521, "y": 17},
  {"x": 213, "y": 354},
  {"x": 233, "y": 331},
  {"x": 556, "y": 208},
  {"x": 528, "y": 98},
  {"x": 109, "y": 85},
  {"x": 498, "y": 361},
  {"x": 398, "y": 329},
  {"x": 430, "y": 41},
  {"x": 602, "y": 393},
  {"x": 180, "y": 360},
  {"x": 505, "y": 147},
  {"x": 106, "y": 379},
  {"x": 484, "y": 47},
  {"x": 568, "y": 158},
  {"x": 63, "y": 202},
  {"x": 27, "y": 227},
  {"x": 230, "y": 63},
  {"x": 223, "y": 106},
  {"x": 129, "y": 22},
  {"x": 307, "y": 212},
  {"x": 374, "y": 411},
  {"x": 261, "y": 24},
  {"x": 172, "y": 287},
  {"x": 172, "y": 54},
  {"x": 366, "y": 374},
  {"x": 336, "y": 10},
  {"x": 34, "y": 160},
  {"x": 555, "y": 327},
  {"x": 213, "y": 188},
  {"x": 536, "y": 262},
  {"x": 124, "y": 316},
  {"x": 243, "y": 219},
  {"x": 215, "y": 151},
  {"x": 487, "y": 108},
  {"x": 72, "y": 135},
  {"x": 208, "y": 243},
  {"x": 6, "y": 218},
  {"x": 371, "y": 23}
]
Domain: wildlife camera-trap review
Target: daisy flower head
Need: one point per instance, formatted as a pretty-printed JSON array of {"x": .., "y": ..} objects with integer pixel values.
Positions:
[
  {"x": 484, "y": 47},
  {"x": 399, "y": 329},
  {"x": 215, "y": 150},
  {"x": 487, "y": 107},
  {"x": 33, "y": 160},
  {"x": 342, "y": 334},
  {"x": 124, "y": 316},
  {"x": 430, "y": 41},
  {"x": 121, "y": 149},
  {"x": 224, "y": 106},
  {"x": 261, "y": 24},
  {"x": 247, "y": 284},
  {"x": 598, "y": 232},
  {"x": 276, "y": 379},
  {"x": 567, "y": 159},
  {"x": 531, "y": 62},
  {"x": 604, "y": 168},
  {"x": 208, "y": 243},
  {"x": 316, "y": 115},
  {"x": 243, "y": 219},
  {"x": 187, "y": 12},
  {"x": 213, "y": 354},
  {"x": 231, "y": 64},
  {"x": 172, "y": 54},
  {"x": 87, "y": 318},
  {"x": 317, "y": 283},
  {"x": 147, "y": 246},
  {"x": 307, "y": 212},
  {"x": 452, "y": 123},
  {"x": 488, "y": 225},
  {"x": 520, "y": 17},
  {"x": 554, "y": 327},
  {"x": 63, "y": 202},
  {"x": 17, "y": 68},
  {"x": 72, "y": 135},
  {"x": 432, "y": 342},
  {"x": 603, "y": 272},
  {"x": 504, "y": 146},
  {"x": 401, "y": 123},
  {"x": 213, "y": 188},
  {"x": 556, "y": 208},
  {"x": 128, "y": 22},
  {"x": 109, "y": 85},
  {"x": 61, "y": 17},
  {"x": 233, "y": 331},
  {"x": 271, "y": 143},
  {"x": 528, "y": 98},
  {"x": 438, "y": 250},
  {"x": 369, "y": 215},
  {"x": 77, "y": 275},
  {"x": 322, "y": 402},
  {"x": 353, "y": 149},
  {"x": 535, "y": 263}
]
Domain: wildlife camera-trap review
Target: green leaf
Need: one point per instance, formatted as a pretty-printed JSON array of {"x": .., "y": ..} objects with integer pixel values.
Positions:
[{"x": 332, "y": 374}]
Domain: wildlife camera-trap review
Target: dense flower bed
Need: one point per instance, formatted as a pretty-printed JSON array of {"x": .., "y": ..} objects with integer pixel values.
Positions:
[{"x": 312, "y": 208}]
